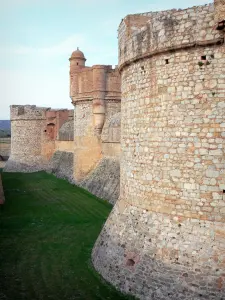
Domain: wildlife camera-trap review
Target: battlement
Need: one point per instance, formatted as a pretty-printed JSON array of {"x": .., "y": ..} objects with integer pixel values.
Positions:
[
  {"x": 33, "y": 112},
  {"x": 152, "y": 33},
  {"x": 28, "y": 112}
]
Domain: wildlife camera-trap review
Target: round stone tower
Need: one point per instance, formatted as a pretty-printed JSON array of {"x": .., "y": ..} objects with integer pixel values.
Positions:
[
  {"x": 28, "y": 129},
  {"x": 165, "y": 238}
]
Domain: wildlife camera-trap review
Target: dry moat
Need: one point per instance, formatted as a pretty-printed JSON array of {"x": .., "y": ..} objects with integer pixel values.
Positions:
[{"x": 47, "y": 231}]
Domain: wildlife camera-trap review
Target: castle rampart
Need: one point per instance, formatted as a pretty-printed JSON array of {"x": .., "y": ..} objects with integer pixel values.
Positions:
[
  {"x": 34, "y": 131},
  {"x": 165, "y": 236}
]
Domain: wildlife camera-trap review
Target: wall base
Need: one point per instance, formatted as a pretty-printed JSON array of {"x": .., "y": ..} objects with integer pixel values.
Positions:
[
  {"x": 61, "y": 165},
  {"x": 155, "y": 256},
  {"x": 104, "y": 180}
]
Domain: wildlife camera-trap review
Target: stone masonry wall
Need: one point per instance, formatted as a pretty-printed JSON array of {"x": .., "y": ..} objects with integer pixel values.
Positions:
[
  {"x": 165, "y": 238},
  {"x": 34, "y": 130},
  {"x": 220, "y": 10},
  {"x": 27, "y": 129},
  {"x": 5, "y": 147}
]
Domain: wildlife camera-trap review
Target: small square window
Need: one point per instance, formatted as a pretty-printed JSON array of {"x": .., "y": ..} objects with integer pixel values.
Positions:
[{"x": 203, "y": 57}]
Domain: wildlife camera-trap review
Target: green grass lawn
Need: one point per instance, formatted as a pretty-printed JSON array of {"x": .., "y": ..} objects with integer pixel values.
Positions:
[{"x": 47, "y": 231}]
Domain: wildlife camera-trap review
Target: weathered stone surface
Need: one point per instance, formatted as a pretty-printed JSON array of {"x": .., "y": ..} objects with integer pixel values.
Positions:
[
  {"x": 61, "y": 165},
  {"x": 104, "y": 180},
  {"x": 5, "y": 148},
  {"x": 33, "y": 134},
  {"x": 165, "y": 236}
]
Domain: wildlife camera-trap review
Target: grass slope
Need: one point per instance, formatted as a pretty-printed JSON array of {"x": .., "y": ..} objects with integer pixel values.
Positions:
[{"x": 47, "y": 231}]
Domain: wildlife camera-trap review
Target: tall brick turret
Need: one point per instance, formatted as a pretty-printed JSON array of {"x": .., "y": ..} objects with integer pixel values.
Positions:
[
  {"x": 165, "y": 238},
  {"x": 95, "y": 93}
]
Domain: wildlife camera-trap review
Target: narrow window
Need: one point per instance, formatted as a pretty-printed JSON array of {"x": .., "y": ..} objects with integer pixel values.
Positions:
[
  {"x": 167, "y": 61},
  {"x": 77, "y": 64}
]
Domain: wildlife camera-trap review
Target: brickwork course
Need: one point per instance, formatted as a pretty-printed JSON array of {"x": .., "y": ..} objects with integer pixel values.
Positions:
[{"x": 165, "y": 238}]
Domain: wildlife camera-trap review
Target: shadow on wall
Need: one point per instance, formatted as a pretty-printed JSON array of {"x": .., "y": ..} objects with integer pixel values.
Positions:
[
  {"x": 104, "y": 180},
  {"x": 61, "y": 165}
]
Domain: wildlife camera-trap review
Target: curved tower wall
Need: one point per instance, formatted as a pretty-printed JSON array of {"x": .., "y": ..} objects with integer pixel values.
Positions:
[
  {"x": 219, "y": 10},
  {"x": 28, "y": 124},
  {"x": 165, "y": 238}
]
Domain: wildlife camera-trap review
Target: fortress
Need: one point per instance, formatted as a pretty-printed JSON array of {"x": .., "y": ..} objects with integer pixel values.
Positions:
[{"x": 165, "y": 237}]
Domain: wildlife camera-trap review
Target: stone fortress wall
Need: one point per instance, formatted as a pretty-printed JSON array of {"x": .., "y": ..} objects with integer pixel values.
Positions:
[
  {"x": 34, "y": 132},
  {"x": 82, "y": 145},
  {"x": 165, "y": 238},
  {"x": 5, "y": 148}
]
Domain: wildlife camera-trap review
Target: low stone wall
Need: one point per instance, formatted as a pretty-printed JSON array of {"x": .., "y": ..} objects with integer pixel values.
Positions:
[
  {"x": 2, "y": 197},
  {"x": 5, "y": 147},
  {"x": 38, "y": 164},
  {"x": 104, "y": 180}
]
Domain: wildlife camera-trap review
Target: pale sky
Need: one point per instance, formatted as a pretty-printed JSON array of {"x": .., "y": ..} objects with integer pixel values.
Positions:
[{"x": 37, "y": 38}]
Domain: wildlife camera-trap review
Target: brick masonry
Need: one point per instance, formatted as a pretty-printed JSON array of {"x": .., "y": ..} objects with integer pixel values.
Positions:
[
  {"x": 95, "y": 93},
  {"x": 165, "y": 238}
]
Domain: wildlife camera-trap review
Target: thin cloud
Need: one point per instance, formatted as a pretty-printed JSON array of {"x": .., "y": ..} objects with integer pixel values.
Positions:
[{"x": 62, "y": 48}]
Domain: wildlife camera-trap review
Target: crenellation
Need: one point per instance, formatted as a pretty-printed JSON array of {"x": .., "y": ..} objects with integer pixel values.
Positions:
[{"x": 27, "y": 112}]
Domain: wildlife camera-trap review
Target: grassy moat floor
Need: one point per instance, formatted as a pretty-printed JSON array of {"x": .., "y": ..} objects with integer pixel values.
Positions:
[{"x": 47, "y": 231}]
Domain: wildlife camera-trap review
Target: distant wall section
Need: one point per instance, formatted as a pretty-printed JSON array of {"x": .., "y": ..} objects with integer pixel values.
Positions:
[{"x": 33, "y": 134}]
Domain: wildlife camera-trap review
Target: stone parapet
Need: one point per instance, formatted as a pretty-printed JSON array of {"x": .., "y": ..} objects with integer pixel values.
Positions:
[
  {"x": 28, "y": 112},
  {"x": 151, "y": 33}
]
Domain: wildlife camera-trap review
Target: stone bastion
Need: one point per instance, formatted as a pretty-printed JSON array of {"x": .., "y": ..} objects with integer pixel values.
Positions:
[
  {"x": 33, "y": 135},
  {"x": 165, "y": 238}
]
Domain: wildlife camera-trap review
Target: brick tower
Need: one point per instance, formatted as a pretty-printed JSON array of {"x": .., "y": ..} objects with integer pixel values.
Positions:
[{"x": 95, "y": 93}]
